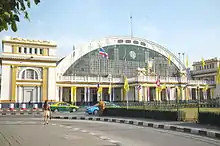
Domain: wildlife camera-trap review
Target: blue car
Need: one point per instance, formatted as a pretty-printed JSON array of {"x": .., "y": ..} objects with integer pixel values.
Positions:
[{"x": 94, "y": 109}]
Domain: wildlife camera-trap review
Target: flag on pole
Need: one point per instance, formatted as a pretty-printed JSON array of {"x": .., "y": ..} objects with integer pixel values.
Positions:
[
  {"x": 73, "y": 94},
  {"x": 109, "y": 89},
  {"x": 206, "y": 87},
  {"x": 100, "y": 90},
  {"x": 98, "y": 86},
  {"x": 103, "y": 53},
  {"x": 158, "y": 81},
  {"x": 169, "y": 59},
  {"x": 203, "y": 62},
  {"x": 139, "y": 87},
  {"x": 187, "y": 61},
  {"x": 163, "y": 86},
  {"x": 126, "y": 85}
]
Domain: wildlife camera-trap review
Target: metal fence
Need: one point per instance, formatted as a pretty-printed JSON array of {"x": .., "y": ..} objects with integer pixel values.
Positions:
[{"x": 212, "y": 103}]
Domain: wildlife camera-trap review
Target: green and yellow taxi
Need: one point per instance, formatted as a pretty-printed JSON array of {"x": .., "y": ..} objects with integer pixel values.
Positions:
[{"x": 63, "y": 107}]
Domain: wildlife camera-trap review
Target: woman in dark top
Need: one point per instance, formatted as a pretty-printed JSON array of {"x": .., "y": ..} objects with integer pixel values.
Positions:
[{"x": 46, "y": 110}]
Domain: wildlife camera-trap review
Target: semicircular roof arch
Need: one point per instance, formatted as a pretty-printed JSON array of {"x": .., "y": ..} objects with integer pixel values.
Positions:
[{"x": 82, "y": 50}]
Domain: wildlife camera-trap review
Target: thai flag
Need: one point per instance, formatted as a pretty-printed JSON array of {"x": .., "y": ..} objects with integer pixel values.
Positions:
[
  {"x": 158, "y": 81},
  {"x": 103, "y": 53},
  {"x": 98, "y": 85},
  {"x": 139, "y": 87}
]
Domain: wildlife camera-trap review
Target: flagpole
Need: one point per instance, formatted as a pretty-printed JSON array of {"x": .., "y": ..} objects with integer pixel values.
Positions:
[
  {"x": 131, "y": 25},
  {"x": 125, "y": 61},
  {"x": 98, "y": 73}
]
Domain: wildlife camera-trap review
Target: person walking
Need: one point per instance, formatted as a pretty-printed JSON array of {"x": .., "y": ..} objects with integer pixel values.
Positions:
[
  {"x": 101, "y": 105},
  {"x": 47, "y": 111}
]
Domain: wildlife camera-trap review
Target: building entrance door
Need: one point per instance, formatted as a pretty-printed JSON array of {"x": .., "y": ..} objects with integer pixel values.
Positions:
[{"x": 28, "y": 95}]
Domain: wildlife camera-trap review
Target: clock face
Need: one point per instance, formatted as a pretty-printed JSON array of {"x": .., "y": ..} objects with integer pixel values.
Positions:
[{"x": 132, "y": 54}]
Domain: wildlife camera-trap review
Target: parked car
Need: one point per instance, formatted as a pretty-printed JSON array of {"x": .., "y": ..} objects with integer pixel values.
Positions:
[
  {"x": 94, "y": 109},
  {"x": 63, "y": 107}
]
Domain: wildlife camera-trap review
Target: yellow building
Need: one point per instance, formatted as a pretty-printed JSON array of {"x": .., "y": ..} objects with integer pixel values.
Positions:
[
  {"x": 28, "y": 70},
  {"x": 32, "y": 72}
]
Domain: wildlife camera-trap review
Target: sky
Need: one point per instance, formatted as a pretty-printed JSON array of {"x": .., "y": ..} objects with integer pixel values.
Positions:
[{"x": 188, "y": 26}]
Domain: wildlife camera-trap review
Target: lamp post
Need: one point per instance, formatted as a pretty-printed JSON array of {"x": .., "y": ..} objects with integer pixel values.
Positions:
[
  {"x": 198, "y": 101},
  {"x": 110, "y": 86},
  {"x": 179, "y": 81}
]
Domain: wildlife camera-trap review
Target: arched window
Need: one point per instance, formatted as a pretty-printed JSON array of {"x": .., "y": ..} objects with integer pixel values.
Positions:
[{"x": 29, "y": 74}]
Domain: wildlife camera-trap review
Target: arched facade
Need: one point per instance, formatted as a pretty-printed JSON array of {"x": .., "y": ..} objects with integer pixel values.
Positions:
[
  {"x": 37, "y": 76},
  {"x": 30, "y": 74},
  {"x": 85, "y": 60}
]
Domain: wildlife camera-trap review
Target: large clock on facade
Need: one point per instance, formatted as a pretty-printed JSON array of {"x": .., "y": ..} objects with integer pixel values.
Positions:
[{"x": 132, "y": 54}]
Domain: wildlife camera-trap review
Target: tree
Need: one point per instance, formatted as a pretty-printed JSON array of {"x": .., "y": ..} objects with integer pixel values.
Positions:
[{"x": 10, "y": 12}]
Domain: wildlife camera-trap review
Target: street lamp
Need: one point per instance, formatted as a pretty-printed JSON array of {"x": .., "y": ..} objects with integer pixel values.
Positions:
[
  {"x": 198, "y": 101},
  {"x": 179, "y": 82}
]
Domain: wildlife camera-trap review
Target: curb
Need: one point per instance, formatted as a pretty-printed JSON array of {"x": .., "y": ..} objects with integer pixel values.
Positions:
[
  {"x": 19, "y": 113},
  {"x": 195, "y": 131}
]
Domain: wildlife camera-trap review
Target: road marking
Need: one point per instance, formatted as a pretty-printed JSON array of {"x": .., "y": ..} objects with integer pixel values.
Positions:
[
  {"x": 93, "y": 133},
  {"x": 54, "y": 124},
  {"x": 83, "y": 131},
  {"x": 75, "y": 129},
  {"x": 114, "y": 142},
  {"x": 104, "y": 138}
]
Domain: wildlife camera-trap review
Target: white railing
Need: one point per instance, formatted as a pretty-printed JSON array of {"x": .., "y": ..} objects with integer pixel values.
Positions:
[
  {"x": 150, "y": 79},
  {"x": 211, "y": 70}
]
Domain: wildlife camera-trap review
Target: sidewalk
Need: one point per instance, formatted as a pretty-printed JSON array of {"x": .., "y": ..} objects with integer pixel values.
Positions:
[{"x": 174, "y": 123}]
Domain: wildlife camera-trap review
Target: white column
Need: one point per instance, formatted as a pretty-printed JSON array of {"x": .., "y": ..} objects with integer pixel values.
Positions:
[
  {"x": 19, "y": 95},
  {"x": 61, "y": 94},
  {"x": 136, "y": 93},
  {"x": 145, "y": 93},
  {"x": 85, "y": 92},
  {"x": 89, "y": 94},
  {"x": 113, "y": 94},
  {"x": 172, "y": 93},
  {"x": 122, "y": 95},
  {"x": 183, "y": 93},
  {"x": 167, "y": 93},
  {"x": 38, "y": 93},
  {"x": 23, "y": 96}
]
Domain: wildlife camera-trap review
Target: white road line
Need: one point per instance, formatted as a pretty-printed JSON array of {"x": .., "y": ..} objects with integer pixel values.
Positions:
[
  {"x": 61, "y": 125},
  {"x": 114, "y": 142},
  {"x": 92, "y": 133},
  {"x": 104, "y": 138},
  {"x": 75, "y": 129},
  {"x": 83, "y": 131},
  {"x": 68, "y": 127},
  {"x": 54, "y": 124}
]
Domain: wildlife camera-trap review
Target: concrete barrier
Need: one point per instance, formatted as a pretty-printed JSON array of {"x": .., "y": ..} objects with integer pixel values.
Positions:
[
  {"x": 12, "y": 107},
  {"x": 35, "y": 107},
  {"x": 23, "y": 107}
]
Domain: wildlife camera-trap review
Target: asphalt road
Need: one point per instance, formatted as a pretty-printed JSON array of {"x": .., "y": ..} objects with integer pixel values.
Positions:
[
  {"x": 30, "y": 131},
  {"x": 178, "y": 123}
]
